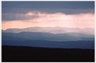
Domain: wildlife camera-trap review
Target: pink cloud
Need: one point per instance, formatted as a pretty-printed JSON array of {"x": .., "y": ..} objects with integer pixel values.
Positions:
[
  {"x": 51, "y": 20},
  {"x": 30, "y": 14}
]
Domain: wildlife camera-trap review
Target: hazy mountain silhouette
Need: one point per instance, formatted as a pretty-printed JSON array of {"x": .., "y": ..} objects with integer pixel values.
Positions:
[
  {"x": 36, "y": 39},
  {"x": 55, "y": 30},
  {"x": 47, "y": 47},
  {"x": 50, "y": 36}
]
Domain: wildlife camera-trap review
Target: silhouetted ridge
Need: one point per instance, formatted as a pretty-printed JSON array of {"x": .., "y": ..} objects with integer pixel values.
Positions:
[
  {"x": 50, "y": 36},
  {"x": 35, "y": 54}
]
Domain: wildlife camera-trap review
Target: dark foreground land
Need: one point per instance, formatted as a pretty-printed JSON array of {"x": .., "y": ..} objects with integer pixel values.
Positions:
[{"x": 36, "y": 54}]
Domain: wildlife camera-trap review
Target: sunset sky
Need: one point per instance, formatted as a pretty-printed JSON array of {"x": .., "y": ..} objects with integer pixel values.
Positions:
[{"x": 23, "y": 14}]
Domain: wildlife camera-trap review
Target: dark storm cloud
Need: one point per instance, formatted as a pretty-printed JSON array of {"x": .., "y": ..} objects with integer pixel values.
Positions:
[
  {"x": 24, "y": 6},
  {"x": 10, "y": 9},
  {"x": 17, "y": 16}
]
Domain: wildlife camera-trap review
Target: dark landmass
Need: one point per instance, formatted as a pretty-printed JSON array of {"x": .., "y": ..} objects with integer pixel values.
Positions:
[
  {"x": 40, "y": 54},
  {"x": 9, "y": 39}
]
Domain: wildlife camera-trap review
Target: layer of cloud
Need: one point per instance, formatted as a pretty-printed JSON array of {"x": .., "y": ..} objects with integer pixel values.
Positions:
[
  {"x": 49, "y": 4},
  {"x": 22, "y": 16},
  {"x": 83, "y": 20},
  {"x": 67, "y": 7}
]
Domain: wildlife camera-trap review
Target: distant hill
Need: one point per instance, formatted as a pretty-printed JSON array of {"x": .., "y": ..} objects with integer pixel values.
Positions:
[
  {"x": 36, "y": 40},
  {"x": 54, "y": 30},
  {"x": 50, "y": 36}
]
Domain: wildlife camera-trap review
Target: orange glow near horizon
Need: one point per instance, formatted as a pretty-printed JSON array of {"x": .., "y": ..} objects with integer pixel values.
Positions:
[{"x": 53, "y": 20}]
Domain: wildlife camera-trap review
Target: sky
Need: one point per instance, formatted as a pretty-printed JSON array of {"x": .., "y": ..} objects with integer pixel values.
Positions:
[{"x": 70, "y": 14}]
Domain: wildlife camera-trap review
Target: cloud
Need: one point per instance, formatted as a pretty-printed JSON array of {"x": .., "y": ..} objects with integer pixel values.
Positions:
[
  {"x": 20, "y": 15},
  {"x": 17, "y": 16},
  {"x": 48, "y": 4},
  {"x": 30, "y": 14},
  {"x": 67, "y": 7},
  {"x": 83, "y": 20},
  {"x": 16, "y": 24}
]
